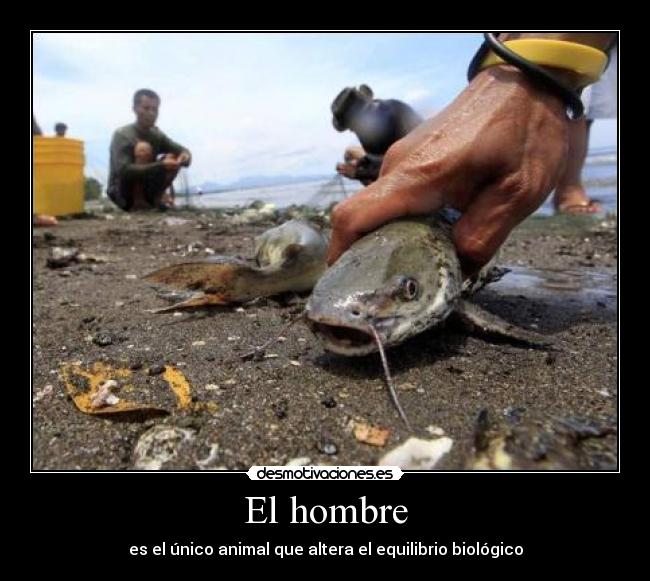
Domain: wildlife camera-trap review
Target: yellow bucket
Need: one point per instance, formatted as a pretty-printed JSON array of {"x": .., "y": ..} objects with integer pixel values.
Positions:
[{"x": 58, "y": 175}]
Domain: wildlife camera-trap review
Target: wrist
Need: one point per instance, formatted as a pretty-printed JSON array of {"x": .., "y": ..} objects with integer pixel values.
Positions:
[
  {"x": 563, "y": 67},
  {"x": 569, "y": 78},
  {"x": 510, "y": 82}
]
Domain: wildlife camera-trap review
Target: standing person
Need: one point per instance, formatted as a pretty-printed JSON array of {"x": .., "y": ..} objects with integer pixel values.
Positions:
[
  {"x": 36, "y": 130},
  {"x": 601, "y": 103}
]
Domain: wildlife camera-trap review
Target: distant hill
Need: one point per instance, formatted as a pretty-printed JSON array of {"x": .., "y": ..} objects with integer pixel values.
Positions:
[{"x": 249, "y": 182}]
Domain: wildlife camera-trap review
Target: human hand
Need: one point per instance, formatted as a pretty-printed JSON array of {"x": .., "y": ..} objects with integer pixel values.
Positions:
[
  {"x": 170, "y": 163},
  {"x": 494, "y": 153},
  {"x": 348, "y": 169}
]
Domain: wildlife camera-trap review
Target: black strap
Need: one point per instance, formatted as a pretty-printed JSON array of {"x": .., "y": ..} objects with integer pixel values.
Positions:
[{"x": 534, "y": 71}]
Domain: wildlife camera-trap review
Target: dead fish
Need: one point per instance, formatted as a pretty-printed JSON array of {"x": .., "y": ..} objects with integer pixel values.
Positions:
[
  {"x": 290, "y": 257},
  {"x": 396, "y": 282}
]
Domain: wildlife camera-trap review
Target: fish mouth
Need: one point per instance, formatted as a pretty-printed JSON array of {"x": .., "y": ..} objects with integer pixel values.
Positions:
[{"x": 344, "y": 339}]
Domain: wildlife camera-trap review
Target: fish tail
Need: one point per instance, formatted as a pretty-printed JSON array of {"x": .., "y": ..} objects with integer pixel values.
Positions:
[
  {"x": 192, "y": 303},
  {"x": 221, "y": 283}
]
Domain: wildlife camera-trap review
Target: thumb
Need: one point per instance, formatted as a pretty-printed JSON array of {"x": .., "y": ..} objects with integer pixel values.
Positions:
[{"x": 390, "y": 197}]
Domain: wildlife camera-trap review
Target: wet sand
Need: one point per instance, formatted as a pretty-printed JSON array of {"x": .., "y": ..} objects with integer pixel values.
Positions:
[{"x": 552, "y": 408}]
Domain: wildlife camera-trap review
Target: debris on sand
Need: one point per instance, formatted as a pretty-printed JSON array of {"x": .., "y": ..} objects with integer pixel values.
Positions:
[
  {"x": 159, "y": 445},
  {"x": 417, "y": 454}
]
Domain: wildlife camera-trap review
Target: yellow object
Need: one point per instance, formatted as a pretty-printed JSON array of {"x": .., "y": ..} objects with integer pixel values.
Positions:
[
  {"x": 58, "y": 164},
  {"x": 87, "y": 394},
  {"x": 586, "y": 61},
  {"x": 179, "y": 385}
]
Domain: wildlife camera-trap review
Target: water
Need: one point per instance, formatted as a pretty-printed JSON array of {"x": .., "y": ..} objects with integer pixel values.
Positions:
[
  {"x": 583, "y": 286},
  {"x": 318, "y": 194},
  {"x": 599, "y": 177}
]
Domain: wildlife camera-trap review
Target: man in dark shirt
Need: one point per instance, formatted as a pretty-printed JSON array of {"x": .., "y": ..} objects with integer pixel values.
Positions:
[
  {"x": 144, "y": 161},
  {"x": 378, "y": 123}
]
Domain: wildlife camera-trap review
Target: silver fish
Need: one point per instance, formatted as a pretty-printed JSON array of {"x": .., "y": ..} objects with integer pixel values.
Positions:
[
  {"x": 398, "y": 281},
  {"x": 290, "y": 257}
]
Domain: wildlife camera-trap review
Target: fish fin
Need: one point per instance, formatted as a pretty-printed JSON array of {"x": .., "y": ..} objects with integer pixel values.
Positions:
[
  {"x": 211, "y": 276},
  {"x": 486, "y": 276},
  {"x": 195, "y": 302},
  {"x": 490, "y": 324},
  {"x": 496, "y": 273}
]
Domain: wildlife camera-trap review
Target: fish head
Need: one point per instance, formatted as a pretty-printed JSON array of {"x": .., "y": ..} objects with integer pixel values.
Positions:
[
  {"x": 400, "y": 280},
  {"x": 295, "y": 238}
]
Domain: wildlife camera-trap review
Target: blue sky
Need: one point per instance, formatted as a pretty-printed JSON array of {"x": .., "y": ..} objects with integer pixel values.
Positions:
[{"x": 243, "y": 103}]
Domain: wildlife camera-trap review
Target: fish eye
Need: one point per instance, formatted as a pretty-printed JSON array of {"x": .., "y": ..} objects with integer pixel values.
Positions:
[{"x": 410, "y": 288}]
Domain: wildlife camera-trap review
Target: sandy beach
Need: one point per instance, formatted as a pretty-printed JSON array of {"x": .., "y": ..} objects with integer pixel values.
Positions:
[{"x": 551, "y": 408}]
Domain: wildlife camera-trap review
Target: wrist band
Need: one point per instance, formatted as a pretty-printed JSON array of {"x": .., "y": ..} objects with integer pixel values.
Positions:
[
  {"x": 587, "y": 62},
  {"x": 534, "y": 71}
]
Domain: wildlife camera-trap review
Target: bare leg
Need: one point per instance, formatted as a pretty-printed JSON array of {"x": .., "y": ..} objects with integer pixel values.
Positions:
[
  {"x": 143, "y": 154},
  {"x": 168, "y": 197},
  {"x": 45, "y": 220},
  {"x": 570, "y": 196},
  {"x": 172, "y": 195}
]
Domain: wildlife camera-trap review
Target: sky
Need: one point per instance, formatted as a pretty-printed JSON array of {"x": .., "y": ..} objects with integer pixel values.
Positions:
[{"x": 245, "y": 104}]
